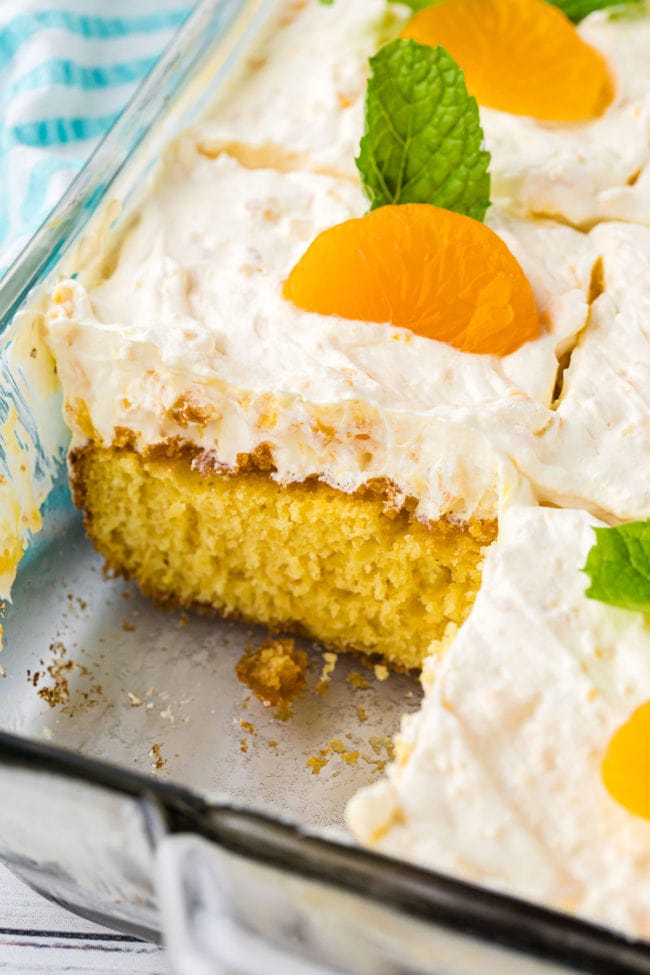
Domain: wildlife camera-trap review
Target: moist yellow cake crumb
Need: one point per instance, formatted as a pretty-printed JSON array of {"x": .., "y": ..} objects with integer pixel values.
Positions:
[
  {"x": 358, "y": 682},
  {"x": 301, "y": 557},
  {"x": 274, "y": 671},
  {"x": 327, "y": 671},
  {"x": 316, "y": 763}
]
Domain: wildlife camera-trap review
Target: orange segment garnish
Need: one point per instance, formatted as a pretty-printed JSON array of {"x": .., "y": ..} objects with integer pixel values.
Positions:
[
  {"x": 519, "y": 56},
  {"x": 434, "y": 271},
  {"x": 626, "y": 766}
]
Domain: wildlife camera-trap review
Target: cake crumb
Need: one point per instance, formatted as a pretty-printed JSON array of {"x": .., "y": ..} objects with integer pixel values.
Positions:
[
  {"x": 273, "y": 743},
  {"x": 316, "y": 764},
  {"x": 381, "y": 743},
  {"x": 358, "y": 682},
  {"x": 158, "y": 760},
  {"x": 183, "y": 620},
  {"x": 59, "y": 691},
  {"x": 129, "y": 627},
  {"x": 327, "y": 671},
  {"x": 384, "y": 752},
  {"x": 362, "y": 714},
  {"x": 275, "y": 672},
  {"x": 351, "y": 758},
  {"x": 247, "y": 726},
  {"x": 134, "y": 699},
  {"x": 340, "y": 749},
  {"x": 381, "y": 672}
]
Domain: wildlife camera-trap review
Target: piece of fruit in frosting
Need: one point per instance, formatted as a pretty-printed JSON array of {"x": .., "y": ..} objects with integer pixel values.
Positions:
[
  {"x": 626, "y": 766},
  {"x": 524, "y": 57},
  {"x": 441, "y": 274}
]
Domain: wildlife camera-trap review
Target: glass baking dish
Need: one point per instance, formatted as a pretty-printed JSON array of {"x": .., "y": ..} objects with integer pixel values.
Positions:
[{"x": 141, "y": 784}]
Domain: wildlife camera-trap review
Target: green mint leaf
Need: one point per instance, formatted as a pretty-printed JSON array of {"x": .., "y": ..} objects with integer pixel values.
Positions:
[
  {"x": 619, "y": 566},
  {"x": 423, "y": 137},
  {"x": 577, "y": 10}
]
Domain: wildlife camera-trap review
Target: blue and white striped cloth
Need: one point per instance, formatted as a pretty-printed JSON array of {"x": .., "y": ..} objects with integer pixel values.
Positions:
[{"x": 67, "y": 68}]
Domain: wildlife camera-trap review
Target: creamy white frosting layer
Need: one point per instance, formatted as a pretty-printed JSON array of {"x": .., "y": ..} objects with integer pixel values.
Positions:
[
  {"x": 596, "y": 452},
  {"x": 591, "y": 171},
  {"x": 303, "y": 88},
  {"x": 193, "y": 315},
  {"x": 303, "y": 84},
  {"x": 497, "y": 778}
]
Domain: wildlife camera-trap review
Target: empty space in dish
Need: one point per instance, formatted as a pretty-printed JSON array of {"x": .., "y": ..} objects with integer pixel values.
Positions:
[{"x": 91, "y": 665}]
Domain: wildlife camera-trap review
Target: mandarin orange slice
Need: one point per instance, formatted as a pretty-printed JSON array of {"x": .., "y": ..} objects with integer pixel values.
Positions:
[
  {"x": 626, "y": 766},
  {"x": 519, "y": 56},
  {"x": 436, "y": 272}
]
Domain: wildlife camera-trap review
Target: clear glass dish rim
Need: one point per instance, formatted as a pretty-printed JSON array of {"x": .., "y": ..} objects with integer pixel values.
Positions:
[
  {"x": 477, "y": 913},
  {"x": 28, "y": 272}
]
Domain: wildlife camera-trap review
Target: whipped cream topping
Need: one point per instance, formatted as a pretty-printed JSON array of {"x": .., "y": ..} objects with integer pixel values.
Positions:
[
  {"x": 579, "y": 172},
  {"x": 497, "y": 778},
  {"x": 193, "y": 314},
  {"x": 596, "y": 452},
  {"x": 303, "y": 85},
  {"x": 589, "y": 171}
]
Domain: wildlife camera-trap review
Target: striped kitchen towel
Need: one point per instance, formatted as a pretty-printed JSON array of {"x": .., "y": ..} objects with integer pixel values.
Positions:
[{"x": 67, "y": 68}]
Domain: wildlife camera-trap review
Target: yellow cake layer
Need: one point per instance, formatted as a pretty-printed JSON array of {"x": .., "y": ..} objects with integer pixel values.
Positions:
[{"x": 302, "y": 557}]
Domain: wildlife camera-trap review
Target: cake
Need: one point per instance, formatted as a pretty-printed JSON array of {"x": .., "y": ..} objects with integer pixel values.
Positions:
[
  {"x": 360, "y": 481},
  {"x": 233, "y": 452}
]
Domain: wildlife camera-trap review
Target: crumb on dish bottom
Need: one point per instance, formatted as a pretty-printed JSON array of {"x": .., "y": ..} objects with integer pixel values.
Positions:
[
  {"x": 302, "y": 557},
  {"x": 275, "y": 671}
]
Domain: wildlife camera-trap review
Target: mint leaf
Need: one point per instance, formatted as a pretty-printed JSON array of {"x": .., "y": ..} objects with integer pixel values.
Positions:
[
  {"x": 423, "y": 138},
  {"x": 619, "y": 566},
  {"x": 576, "y": 10}
]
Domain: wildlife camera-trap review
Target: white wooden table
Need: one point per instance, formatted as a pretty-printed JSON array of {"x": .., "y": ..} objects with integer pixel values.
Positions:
[{"x": 39, "y": 937}]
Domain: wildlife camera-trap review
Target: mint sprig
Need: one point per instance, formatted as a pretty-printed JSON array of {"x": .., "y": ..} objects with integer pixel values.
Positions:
[
  {"x": 577, "y": 10},
  {"x": 423, "y": 138},
  {"x": 619, "y": 566}
]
